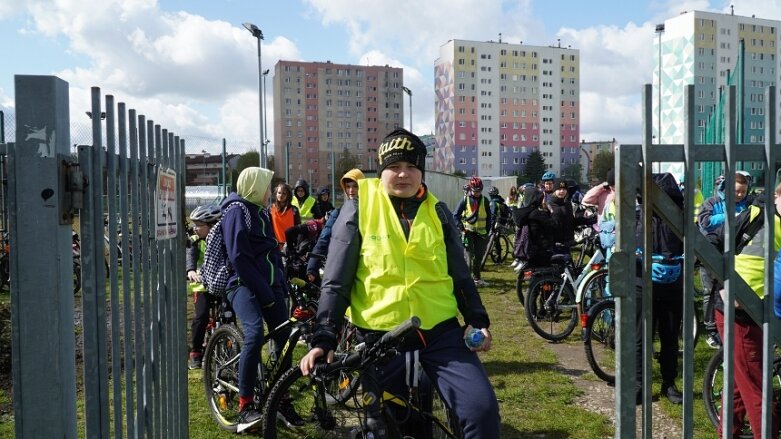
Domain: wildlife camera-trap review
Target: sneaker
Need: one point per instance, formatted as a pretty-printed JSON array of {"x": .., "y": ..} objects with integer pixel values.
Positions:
[
  {"x": 515, "y": 262},
  {"x": 479, "y": 283},
  {"x": 249, "y": 417},
  {"x": 672, "y": 393},
  {"x": 518, "y": 268},
  {"x": 287, "y": 414},
  {"x": 713, "y": 340},
  {"x": 196, "y": 361}
]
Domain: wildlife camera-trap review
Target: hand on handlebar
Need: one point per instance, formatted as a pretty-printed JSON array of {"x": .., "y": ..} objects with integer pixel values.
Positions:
[{"x": 307, "y": 363}]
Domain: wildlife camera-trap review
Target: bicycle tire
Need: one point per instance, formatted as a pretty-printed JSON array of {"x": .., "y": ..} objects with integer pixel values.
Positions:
[
  {"x": 5, "y": 270},
  {"x": 488, "y": 250},
  {"x": 502, "y": 249},
  {"x": 712, "y": 387},
  {"x": 443, "y": 418},
  {"x": 223, "y": 398},
  {"x": 76, "y": 275},
  {"x": 555, "y": 322},
  {"x": 599, "y": 340},
  {"x": 324, "y": 417},
  {"x": 519, "y": 283},
  {"x": 595, "y": 290}
]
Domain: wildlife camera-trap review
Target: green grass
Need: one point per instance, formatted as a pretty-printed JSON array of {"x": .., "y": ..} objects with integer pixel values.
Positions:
[{"x": 536, "y": 400}]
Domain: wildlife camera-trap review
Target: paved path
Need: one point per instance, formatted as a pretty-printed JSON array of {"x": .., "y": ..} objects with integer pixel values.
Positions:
[{"x": 599, "y": 397}]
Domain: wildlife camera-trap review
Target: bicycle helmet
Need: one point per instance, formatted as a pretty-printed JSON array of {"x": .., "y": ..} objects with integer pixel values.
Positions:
[
  {"x": 208, "y": 214},
  {"x": 664, "y": 273},
  {"x": 548, "y": 176},
  {"x": 749, "y": 178},
  {"x": 325, "y": 191},
  {"x": 476, "y": 183},
  {"x": 493, "y": 191}
]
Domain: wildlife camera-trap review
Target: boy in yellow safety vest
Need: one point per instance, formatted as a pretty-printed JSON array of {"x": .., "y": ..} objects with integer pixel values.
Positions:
[{"x": 395, "y": 253}]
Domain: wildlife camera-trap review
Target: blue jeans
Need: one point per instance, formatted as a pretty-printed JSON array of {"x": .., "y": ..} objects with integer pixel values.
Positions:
[
  {"x": 248, "y": 310},
  {"x": 461, "y": 379}
]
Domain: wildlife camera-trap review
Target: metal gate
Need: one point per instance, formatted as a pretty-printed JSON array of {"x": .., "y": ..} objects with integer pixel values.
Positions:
[
  {"x": 124, "y": 199},
  {"x": 634, "y": 164}
]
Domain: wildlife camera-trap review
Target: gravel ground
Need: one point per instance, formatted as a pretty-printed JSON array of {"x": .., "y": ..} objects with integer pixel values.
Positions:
[{"x": 599, "y": 397}]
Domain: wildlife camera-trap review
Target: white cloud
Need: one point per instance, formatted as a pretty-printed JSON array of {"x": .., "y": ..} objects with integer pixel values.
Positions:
[{"x": 197, "y": 76}]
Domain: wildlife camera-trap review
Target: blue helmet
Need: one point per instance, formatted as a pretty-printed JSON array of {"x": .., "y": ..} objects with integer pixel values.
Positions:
[{"x": 548, "y": 176}]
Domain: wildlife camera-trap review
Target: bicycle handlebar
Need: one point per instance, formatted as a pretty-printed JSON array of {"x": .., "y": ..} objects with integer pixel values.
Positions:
[{"x": 389, "y": 340}]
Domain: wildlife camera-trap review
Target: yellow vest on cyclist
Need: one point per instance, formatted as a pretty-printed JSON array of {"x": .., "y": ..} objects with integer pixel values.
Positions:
[
  {"x": 398, "y": 277},
  {"x": 479, "y": 225},
  {"x": 750, "y": 263},
  {"x": 305, "y": 210}
]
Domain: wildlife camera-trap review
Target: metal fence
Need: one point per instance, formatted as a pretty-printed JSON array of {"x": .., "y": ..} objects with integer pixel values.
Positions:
[
  {"x": 634, "y": 164},
  {"x": 125, "y": 200}
]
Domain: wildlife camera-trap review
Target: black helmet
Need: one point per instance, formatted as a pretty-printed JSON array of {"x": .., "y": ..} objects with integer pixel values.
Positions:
[{"x": 493, "y": 191}]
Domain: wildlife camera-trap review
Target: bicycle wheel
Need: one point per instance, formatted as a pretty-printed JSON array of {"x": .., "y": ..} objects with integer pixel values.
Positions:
[
  {"x": 76, "y": 275},
  {"x": 600, "y": 340},
  {"x": 221, "y": 376},
  {"x": 502, "y": 249},
  {"x": 594, "y": 291},
  {"x": 713, "y": 390},
  {"x": 551, "y": 315},
  {"x": 444, "y": 420},
  {"x": 519, "y": 283},
  {"x": 324, "y": 415}
]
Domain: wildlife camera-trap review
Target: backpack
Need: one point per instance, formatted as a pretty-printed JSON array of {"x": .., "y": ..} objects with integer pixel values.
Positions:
[{"x": 217, "y": 269}]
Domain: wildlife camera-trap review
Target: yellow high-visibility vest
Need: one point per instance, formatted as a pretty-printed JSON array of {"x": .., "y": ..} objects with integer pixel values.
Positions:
[{"x": 398, "y": 277}]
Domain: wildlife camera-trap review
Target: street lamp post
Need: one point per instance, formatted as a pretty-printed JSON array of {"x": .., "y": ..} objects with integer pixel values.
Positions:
[
  {"x": 266, "y": 141},
  {"x": 409, "y": 93},
  {"x": 257, "y": 33},
  {"x": 659, "y": 31}
]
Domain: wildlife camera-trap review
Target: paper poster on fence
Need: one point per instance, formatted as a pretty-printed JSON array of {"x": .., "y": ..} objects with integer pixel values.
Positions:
[{"x": 165, "y": 209}]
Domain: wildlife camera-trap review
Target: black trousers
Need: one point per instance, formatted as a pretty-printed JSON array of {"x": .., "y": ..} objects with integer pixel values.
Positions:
[
  {"x": 200, "y": 319},
  {"x": 666, "y": 320}
]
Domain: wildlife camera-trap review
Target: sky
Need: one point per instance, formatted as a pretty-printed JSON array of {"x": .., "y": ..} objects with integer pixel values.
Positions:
[{"x": 192, "y": 67}]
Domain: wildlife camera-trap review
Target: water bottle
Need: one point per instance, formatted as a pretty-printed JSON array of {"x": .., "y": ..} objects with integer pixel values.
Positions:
[{"x": 474, "y": 338}]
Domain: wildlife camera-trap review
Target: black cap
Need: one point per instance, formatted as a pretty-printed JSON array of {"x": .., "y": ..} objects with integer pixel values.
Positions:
[
  {"x": 560, "y": 183},
  {"x": 401, "y": 145}
]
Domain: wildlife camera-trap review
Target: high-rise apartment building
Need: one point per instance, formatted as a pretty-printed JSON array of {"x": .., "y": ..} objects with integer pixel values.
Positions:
[
  {"x": 497, "y": 102},
  {"x": 325, "y": 111},
  {"x": 701, "y": 48}
]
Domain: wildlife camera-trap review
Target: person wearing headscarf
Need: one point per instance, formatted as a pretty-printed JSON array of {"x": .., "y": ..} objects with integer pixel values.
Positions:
[{"x": 256, "y": 289}]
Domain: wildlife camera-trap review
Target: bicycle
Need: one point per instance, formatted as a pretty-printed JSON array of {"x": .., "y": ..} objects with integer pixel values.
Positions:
[
  {"x": 552, "y": 308},
  {"x": 599, "y": 339},
  {"x": 223, "y": 351},
  {"x": 587, "y": 245},
  {"x": 713, "y": 388},
  {"x": 333, "y": 403},
  {"x": 499, "y": 246}
]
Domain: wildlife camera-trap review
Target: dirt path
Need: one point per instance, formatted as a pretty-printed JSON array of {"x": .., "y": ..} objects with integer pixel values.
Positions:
[{"x": 599, "y": 397}]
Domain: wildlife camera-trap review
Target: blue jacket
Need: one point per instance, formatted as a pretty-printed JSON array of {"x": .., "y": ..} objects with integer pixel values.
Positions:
[
  {"x": 320, "y": 250},
  {"x": 252, "y": 251},
  {"x": 712, "y": 211}
]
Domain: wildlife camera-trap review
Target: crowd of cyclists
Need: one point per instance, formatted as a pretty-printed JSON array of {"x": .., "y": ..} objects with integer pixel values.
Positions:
[{"x": 393, "y": 251}]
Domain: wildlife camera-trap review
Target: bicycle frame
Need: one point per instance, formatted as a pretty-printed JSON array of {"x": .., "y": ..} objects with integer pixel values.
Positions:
[{"x": 274, "y": 372}]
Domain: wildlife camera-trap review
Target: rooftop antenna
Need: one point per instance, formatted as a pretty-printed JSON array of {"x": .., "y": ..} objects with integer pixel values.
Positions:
[
  {"x": 732, "y": 9},
  {"x": 559, "y": 42},
  {"x": 500, "y": 37}
]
